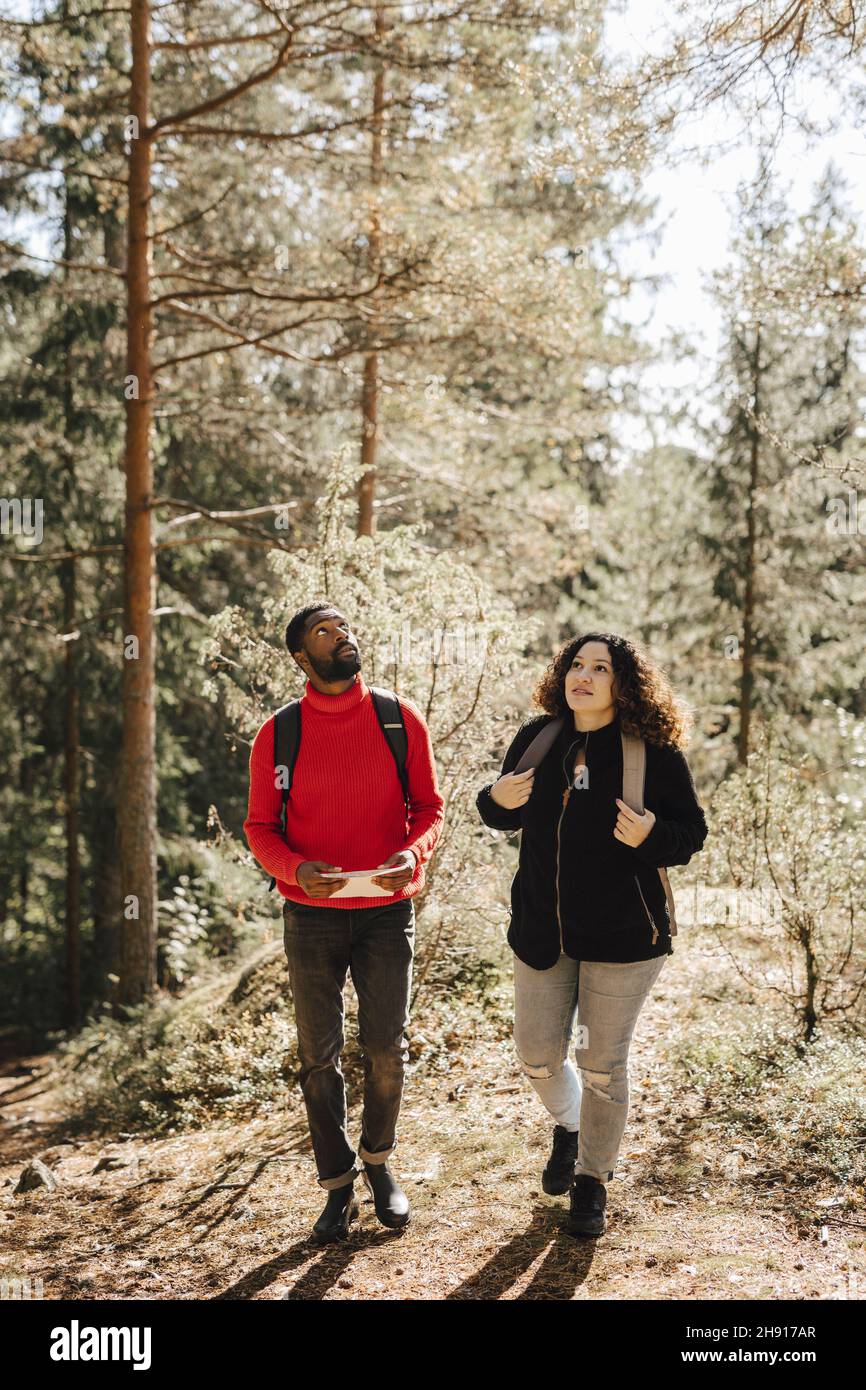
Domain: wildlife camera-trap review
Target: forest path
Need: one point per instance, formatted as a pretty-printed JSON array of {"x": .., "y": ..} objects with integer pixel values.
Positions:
[{"x": 225, "y": 1212}]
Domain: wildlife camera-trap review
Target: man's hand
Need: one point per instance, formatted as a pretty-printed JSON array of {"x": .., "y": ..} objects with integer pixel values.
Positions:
[
  {"x": 631, "y": 828},
  {"x": 309, "y": 876},
  {"x": 394, "y": 882},
  {"x": 513, "y": 789}
]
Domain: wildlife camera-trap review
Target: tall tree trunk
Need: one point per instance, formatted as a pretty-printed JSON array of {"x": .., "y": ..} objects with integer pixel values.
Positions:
[
  {"x": 747, "y": 681},
  {"x": 105, "y": 892},
  {"x": 370, "y": 388},
  {"x": 72, "y": 799},
  {"x": 137, "y": 791},
  {"x": 71, "y": 730}
]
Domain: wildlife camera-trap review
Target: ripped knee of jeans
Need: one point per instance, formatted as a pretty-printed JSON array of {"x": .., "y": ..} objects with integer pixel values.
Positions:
[
  {"x": 539, "y": 1071},
  {"x": 597, "y": 1081}
]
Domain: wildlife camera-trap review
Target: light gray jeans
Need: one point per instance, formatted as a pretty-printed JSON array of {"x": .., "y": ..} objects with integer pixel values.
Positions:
[{"x": 605, "y": 997}]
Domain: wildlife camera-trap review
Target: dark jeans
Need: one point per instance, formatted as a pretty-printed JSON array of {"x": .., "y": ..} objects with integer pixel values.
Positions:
[{"x": 376, "y": 945}]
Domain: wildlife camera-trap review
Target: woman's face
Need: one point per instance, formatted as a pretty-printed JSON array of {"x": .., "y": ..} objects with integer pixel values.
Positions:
[{"x": 589, "y": 683}]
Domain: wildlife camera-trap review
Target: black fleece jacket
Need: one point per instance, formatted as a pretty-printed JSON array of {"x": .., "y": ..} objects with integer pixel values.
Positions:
[{"x": 606, "y": 896}]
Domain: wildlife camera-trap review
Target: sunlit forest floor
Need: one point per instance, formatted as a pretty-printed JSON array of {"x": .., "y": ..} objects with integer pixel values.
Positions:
[{"x": 728, "y": 1185}]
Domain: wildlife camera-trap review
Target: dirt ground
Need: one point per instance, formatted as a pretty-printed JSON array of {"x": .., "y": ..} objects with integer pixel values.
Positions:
[{"x": 225, "y": 1213}]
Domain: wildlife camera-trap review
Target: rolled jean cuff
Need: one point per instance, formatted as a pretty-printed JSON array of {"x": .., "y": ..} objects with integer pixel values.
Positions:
[
  {"x": 330, "y": 1184},
  {"x": 600, "y": 1177},
  {"x": 381, "y": 1155}
]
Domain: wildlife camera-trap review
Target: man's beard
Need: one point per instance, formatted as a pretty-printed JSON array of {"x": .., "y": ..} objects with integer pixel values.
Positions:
[{"x": 339, "y": 667}]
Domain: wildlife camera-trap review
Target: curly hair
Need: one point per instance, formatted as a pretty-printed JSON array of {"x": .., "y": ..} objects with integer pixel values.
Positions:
[{"x": 642, "y": 693}]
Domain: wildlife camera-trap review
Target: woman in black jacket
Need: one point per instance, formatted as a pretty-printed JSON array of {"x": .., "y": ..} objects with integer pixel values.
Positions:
[{"x": 591, "y": 923}]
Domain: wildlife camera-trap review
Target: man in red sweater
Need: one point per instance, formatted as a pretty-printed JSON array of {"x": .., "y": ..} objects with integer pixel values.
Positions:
[{"x": 346, "y": 811}]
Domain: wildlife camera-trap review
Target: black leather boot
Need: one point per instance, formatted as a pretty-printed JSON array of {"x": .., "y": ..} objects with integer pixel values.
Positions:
[
  {"x": 340, "y": 1208},
  {"x": 389, "y": 1200},
  {"x": 587, "y": 1201},
  {"x": 557, "y": 1176}
]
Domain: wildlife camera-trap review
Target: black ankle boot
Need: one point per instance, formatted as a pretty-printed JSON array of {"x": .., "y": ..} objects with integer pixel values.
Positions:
[
  {"x": 587, "y": 1201},
  {"x": 389, "y": 1200},
  {"x": 558, "y": 1174},
  {"x": 340, "y": 1208}
]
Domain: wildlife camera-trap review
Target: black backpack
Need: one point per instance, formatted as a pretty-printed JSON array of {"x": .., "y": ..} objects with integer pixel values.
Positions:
[{"x": 287, "y": 740}]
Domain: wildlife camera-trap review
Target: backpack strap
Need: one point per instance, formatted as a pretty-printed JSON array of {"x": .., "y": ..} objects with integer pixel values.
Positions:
[
  {"x": 391, "y": 722},
  {"x": 633, "y": 771},
  {"x": 540, "y": 746},
  {"x": 633, "y": 778},
  {"x": 287, "y": 737}
]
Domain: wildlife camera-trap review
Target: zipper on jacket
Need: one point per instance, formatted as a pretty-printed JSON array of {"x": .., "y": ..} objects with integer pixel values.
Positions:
[
  {"x": 565, "y": 795},
  {"x": 648, "y": 913}
]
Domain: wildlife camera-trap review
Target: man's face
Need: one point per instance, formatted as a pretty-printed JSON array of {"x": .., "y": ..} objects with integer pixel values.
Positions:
[{"x": 331, "y": 647}]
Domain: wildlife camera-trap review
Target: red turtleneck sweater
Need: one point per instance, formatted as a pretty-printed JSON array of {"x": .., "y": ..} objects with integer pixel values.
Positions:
[{"x": 346, "y": 804}]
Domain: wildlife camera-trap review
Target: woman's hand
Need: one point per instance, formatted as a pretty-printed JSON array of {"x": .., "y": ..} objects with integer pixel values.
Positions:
[
  {"x": 513, "y": 789},
  {"x": 631, "y": 828}
]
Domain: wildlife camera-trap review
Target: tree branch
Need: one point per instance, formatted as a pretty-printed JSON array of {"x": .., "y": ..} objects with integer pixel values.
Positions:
[
  {"x": 233, "y": 519},
  {"x": 214, "y": 104},
  {"x": 68, "y": 265},
  {"x": 58, "y": 555},
  {"x": 215, "y": 290},
  {"x": 69, "y": 170},
  {"x": 177, "y": 45},
  {"x": 198, "y": 510},
  {"x": 242, "y": 132},
  {"x": 241, "y": 340},
  {"x": 195, "y": 217}
]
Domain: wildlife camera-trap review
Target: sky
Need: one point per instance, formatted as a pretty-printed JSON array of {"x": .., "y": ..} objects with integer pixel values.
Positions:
[{"x": 693, "y": 221}]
